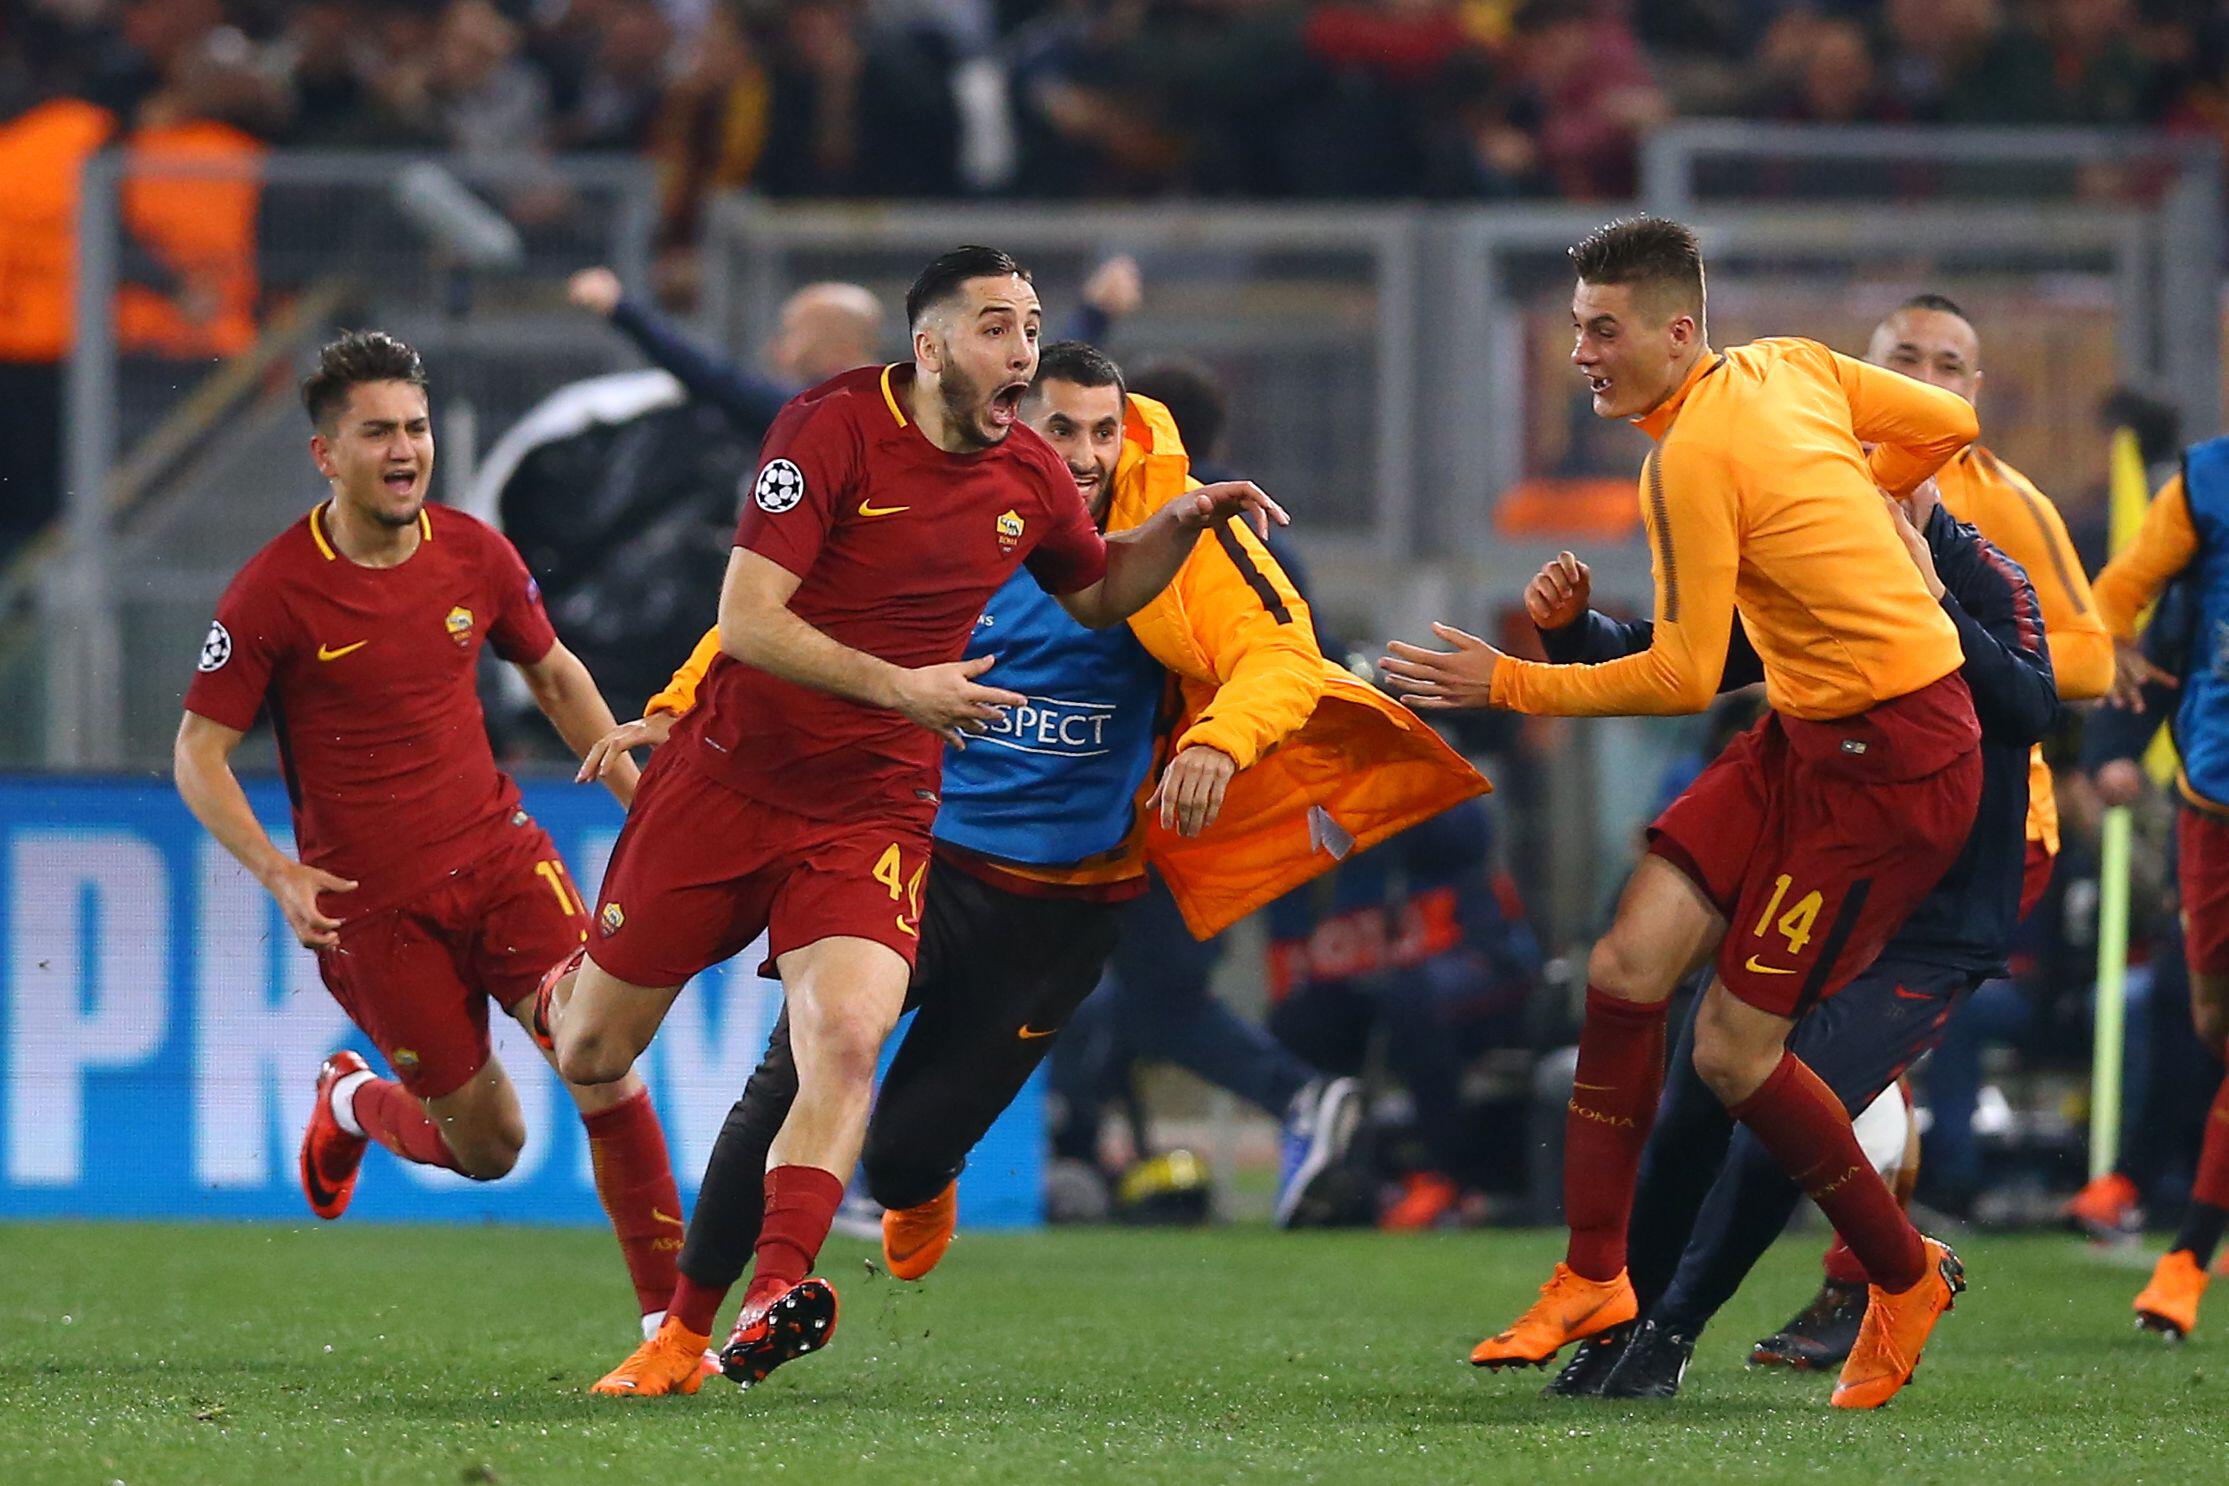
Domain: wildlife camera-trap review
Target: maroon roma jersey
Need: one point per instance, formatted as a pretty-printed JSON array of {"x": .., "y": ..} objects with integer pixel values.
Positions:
[
  {"x": 897, "y": 545},
  {"x": 368, "y": 674}
]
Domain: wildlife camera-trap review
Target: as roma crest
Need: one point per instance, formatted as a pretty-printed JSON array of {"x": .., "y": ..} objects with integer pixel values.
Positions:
[
  {"x": 1009, "y": 531},
  {"x": 459, "y": 625}
]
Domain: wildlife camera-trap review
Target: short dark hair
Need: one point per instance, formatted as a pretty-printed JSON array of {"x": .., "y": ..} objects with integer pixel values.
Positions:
[
  {"x": 1941, "y": 303},
  {"x": 358, "y": 356},
  {"x": 1085, "y": 365},
  {"x": 940, "y": 282},
  {"x": 1190, "y": 393},
  {"x": 1658, "y": 255}
]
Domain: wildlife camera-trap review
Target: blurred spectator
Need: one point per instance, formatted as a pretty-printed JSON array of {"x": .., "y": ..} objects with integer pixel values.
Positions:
[
  {"x": 189, "y": 209},
  {"x": 1933, "y": 46},
  {"x": 43, "y": 152},
  {"x": 2061, "y": 62},
  {"x": 1593, "y": 92},
  {"x": 615, "y": 103},
  {"x": 711, "y": 131},
  {"x": 1819, "y": 70}
]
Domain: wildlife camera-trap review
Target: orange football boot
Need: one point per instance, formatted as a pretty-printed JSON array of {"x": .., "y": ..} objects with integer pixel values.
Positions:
[
  {"x": 1570, "y": 1309},
  {"x": 1426, "y": 1197},
  {"x": 673, "y": 1361},
  {"x": 331, "y": 1156},
  {"x": 2105, "y": 1208},
  {"x": 2169, "y": 1304},
  {"x": 915, "y": 1238},
  {"x": 1895, "y": 1328}
]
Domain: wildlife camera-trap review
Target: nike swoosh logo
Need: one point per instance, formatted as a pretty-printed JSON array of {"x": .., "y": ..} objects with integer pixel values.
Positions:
[
  {"x": 1031, "y": 1034},
  {"x": 1913, "y": 995},
  {"x": 1765, "y": 969},
  {"x": 661, "y": 1217},
  {"x": 328, "y": 652},
  {"x": 865, "y": 509}
]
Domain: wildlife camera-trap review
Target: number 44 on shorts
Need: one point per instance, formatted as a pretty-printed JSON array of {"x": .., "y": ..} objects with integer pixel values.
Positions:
[{"x": 890, "y": 872}]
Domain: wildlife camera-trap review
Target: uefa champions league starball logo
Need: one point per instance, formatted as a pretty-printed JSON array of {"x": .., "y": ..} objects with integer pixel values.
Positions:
[
  {"x": 216, "y": 649},
  {"x": 781, "y": 485}
]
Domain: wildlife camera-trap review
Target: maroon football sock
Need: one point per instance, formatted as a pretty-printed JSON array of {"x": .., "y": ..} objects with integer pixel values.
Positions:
[
  {"x": 801, "y": 1202},
  {"x": 389, "y": 1115},
  {"x": 1613, "y": 1104},
  {"x": 634, "y": 1179},
  {"x": 1808, "y": 1132},
  {"x": 1841, "y": 1266},
  {"x": 695, "y": 1306},
  {"x": 2208, "y": 1216}
]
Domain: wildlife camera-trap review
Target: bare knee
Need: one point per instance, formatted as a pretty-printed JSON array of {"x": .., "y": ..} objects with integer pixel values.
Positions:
[
  {"x": 592, "y": 1057},
  {"x": 846, "y": 1039},
  {"x": 1732, "y": 1065},
  {"x": 487, "y": 1154},
  {"x": 1621, "y": 965}
]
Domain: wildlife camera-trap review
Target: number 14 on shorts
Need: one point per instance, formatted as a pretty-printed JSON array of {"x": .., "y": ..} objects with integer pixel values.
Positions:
[
  {"x": 1794, "y": 925},
  {"x": 890, "y": 872}
]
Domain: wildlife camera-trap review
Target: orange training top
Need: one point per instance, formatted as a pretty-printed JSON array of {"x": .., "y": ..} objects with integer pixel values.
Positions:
[
  {"x": 1980, "y": 488},
  {"x": 2165, "y": 545},
  {"x": 1760, "y": 499}
]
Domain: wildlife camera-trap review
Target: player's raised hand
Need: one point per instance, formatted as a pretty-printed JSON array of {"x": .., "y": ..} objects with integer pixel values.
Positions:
[
  {"x": 1190, "y": 794},
  {"x": 596, "y": 290},
  {"x": 1115, "y": 288},
  {"x": 1212, "y": 505},
  {"x": 643, "y": 732},
  {"x": 296, "y": 885},
  {"x": 948, "y": 701},
  {"x": 1442, "y": 680},
  {"x": 1560, "y": 593}
]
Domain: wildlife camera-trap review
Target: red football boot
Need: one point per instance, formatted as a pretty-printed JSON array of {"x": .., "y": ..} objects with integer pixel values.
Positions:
[
  {"x": 781, "y": 1329},
  {"x": 330, "y": 1155}
]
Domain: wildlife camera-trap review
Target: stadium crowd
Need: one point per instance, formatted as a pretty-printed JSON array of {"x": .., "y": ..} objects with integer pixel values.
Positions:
[{"x": 1447, "y": 99}]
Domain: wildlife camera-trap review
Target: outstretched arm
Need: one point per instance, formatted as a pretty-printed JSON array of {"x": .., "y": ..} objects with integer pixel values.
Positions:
[
  {"x": 1144, "y": 560},
  {"x": 749, "y": 401}
]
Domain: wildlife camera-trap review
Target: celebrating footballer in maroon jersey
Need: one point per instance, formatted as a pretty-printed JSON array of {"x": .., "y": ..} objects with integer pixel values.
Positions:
[
  {"x": 889, "y": 504},
  {"x": 423, "y": 887}
]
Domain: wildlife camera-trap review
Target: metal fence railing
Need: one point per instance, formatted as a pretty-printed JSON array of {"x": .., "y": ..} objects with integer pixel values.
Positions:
[{"x": 179, "y": 455}]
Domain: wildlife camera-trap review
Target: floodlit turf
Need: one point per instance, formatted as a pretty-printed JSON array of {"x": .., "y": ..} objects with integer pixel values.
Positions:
[{"x": 171, "y": 1354}]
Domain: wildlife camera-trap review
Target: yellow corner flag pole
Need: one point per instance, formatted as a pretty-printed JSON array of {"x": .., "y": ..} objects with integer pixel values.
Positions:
[{"x": 2128, "y": 499}]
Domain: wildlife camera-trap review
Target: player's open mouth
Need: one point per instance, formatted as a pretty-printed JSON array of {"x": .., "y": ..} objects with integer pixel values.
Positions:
[
  {"x": 402, "y": 482},
  {"x": 1006, "y": 404},
  {"x": 1598, "y": 385}
]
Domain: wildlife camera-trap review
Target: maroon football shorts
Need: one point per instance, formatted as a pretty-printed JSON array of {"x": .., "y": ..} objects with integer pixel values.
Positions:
[
  {"x": 1816, "y": 840},
  {"x": 701, "y": 870},
  {"x": 2202, "y": 866},
  {"x": 418, "y": 977}
]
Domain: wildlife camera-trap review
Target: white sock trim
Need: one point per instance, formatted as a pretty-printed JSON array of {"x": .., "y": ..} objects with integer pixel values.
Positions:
[
  {"x": 651, "y": 1321},
  {"x": 344, "y": 1100}
]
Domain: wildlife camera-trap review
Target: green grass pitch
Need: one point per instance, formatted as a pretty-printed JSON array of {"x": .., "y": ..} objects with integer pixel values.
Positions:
[{"x": 153, "y": 1355}]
